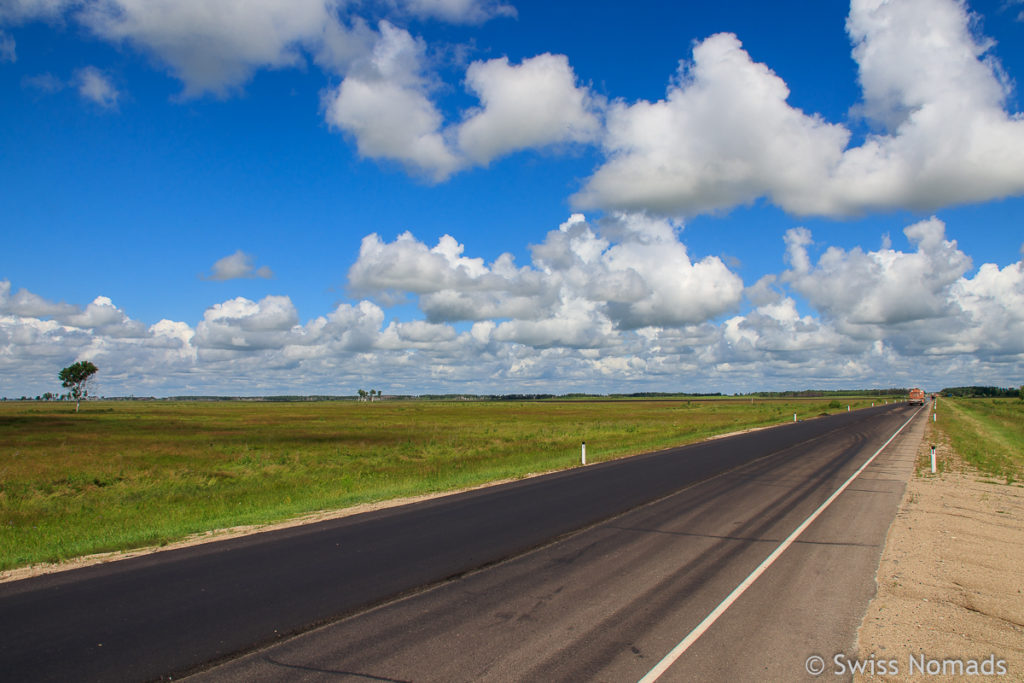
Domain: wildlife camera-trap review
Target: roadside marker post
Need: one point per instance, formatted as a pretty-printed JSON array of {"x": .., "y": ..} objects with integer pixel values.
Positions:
[
  {"x": 933, "y": 459},
  {"x": 583, "y": 452}
]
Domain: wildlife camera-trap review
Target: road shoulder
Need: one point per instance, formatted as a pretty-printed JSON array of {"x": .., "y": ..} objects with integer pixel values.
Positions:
[{"x": 949, "y": 585}]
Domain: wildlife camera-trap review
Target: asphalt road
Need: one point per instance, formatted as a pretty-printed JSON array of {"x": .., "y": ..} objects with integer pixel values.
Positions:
[{"x": 648, "y": 546}]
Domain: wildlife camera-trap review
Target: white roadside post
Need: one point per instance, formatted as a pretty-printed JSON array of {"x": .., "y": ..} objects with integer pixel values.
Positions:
[
  {"x": 583, "y": 452},
  {"x": 933, "y": 459},
  {"x": 794, "y": 417}
]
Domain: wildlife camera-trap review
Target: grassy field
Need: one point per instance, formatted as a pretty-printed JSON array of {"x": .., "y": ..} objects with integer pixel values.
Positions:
[
  {"x": 988, "y": 433},
  {"x": 122, "y": 475}
]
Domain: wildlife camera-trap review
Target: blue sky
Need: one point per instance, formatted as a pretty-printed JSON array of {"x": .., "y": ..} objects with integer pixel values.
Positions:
[{"x": 461, "y": 195}]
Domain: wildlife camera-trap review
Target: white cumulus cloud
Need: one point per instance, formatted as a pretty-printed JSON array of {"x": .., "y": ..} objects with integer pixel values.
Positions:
[
  {"x": 725, "y": 134},
  {"x": 384, "y": 103},
  {"x": 244, "y": 324},
  {"x": 641, "y": 275},
  {"x": 920, "y": 303},
  {"x": 882, "y": 287},
  {"x": 602, "y": 307},
  {"x": 530, "y": 105},
  {"x": 215, "y": 47}
]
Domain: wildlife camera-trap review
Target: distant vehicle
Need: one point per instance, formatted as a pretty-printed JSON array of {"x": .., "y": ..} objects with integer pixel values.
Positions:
[{"x": 916, "y": 397}]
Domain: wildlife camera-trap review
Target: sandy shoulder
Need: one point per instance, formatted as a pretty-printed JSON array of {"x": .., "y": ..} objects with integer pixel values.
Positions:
[{"x": 951, "y": 579}]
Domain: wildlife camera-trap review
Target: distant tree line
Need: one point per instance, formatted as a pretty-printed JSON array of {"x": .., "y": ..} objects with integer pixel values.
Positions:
[
  {"x": 983, "y": 392},
  {"x": 287, "y": 398},
  {"x": 664, "y": 394},
  {"x": 818, "y": 393}
]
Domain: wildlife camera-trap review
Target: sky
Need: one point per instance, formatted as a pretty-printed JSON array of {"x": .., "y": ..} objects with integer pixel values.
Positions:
[{"x": 218, "y": 197}]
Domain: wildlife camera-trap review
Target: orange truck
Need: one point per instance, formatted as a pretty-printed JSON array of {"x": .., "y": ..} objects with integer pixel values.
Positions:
[{"x": 916, "y": 397}]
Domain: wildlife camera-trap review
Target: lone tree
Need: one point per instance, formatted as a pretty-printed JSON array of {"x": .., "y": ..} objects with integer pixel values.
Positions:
[{"x": 75, "y": 377}]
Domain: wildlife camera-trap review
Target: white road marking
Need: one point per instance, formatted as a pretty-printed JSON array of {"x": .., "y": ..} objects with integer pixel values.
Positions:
[{"x": 677, "y": 652}]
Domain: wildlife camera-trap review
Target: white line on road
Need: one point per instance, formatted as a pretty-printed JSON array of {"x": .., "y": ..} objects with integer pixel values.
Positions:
[{"x": 677, "y": 652}]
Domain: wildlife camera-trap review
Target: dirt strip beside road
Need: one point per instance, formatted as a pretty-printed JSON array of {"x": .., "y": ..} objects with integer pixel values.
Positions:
[{"x": 951, "y": 579}]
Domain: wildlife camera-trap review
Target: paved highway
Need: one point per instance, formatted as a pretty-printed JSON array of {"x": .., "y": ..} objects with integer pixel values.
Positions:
[{"x": 646, "y": 548}]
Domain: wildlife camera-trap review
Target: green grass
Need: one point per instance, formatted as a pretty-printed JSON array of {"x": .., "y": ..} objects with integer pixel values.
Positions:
[
  {"x": 987, "y": 433},
  {"x": 124, "y": 475}
]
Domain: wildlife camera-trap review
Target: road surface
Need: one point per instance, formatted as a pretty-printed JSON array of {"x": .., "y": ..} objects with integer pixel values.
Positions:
[{"x": 646, "y": 548}]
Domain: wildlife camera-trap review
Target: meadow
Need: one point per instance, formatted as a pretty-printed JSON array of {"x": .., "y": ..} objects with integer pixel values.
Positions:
[
  {"x": 123, "y": 475},
  {"x": 988, "y": 433}
]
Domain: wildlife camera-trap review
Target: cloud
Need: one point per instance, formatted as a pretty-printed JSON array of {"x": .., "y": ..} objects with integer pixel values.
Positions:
[
  {"x": 600, "y": 302},
  {"x": 237, "y": 266},
  {"x": 18, "y": 11},
  {"x": 240, "y": 328},
  {"x": 102, "y": 317},
  {"x": 641, "y": 275},
  {"x": 408, "y": 265},
  {"x": 8, "y": 51},
  {"x": 417, "y": 334},
  {"x": 384, "y": 104},
  {"x": 921, "y": 303},
  {"x": 242, "y": 324},
  {"x": 216, "y": 47},
  {"x": 532, "y": 105},
  {"x": 993, "y": 307},
  {"x": 38, "y": 337},
  {"x": 574, "y": 323},
  {"x": 91, "y": 83},
  {"x": 653, "y": 282},
  {"x": 941, "y": 102},
  {"x": 95, "y": 86},
  {"x": 45, "y": 83},
  {"x": 775, "y": 336},
  {"x": 593, "y": 311},
  {"x": 725, "y": 134},
  {"x": 891, "y": 287},
  {"x": 458, "y": 11},
  {"x": 26, "y": 304}
]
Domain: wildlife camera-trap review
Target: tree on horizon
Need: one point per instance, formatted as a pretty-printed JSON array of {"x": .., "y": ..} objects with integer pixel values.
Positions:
[{"x": 76, "y": 377}]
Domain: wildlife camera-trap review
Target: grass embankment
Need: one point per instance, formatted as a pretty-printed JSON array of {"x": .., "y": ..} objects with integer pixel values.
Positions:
[
  {"x": 988, "y": 433},
  {"x": 125, "y": 475}
]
